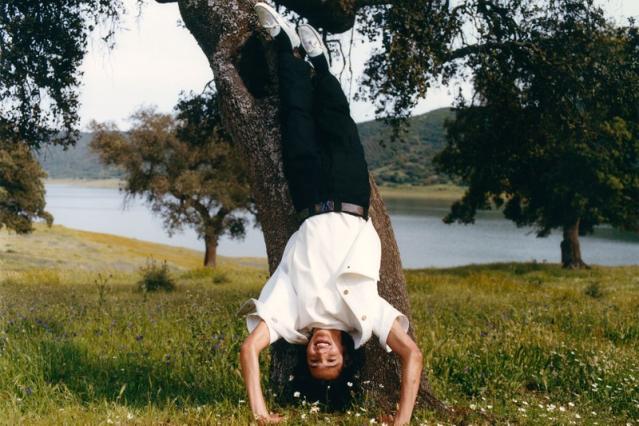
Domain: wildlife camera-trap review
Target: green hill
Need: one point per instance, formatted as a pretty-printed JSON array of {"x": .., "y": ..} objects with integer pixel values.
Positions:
[
  {"x": 408, "y": 161},
  {"x": 77, "y": 162}
]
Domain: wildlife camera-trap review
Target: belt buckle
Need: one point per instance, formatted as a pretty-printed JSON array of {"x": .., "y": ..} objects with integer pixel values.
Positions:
[{"x": 325, "y": 206}]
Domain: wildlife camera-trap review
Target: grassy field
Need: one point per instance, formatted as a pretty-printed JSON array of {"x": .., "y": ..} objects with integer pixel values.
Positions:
[
  {"x": 448, "y": 193},
  {"x": 86, "y": 183},
  {"x": 510, "y": 343}
]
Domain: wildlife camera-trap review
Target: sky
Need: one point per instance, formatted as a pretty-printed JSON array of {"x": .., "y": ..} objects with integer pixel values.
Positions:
[{"x": 155, "y": 58}]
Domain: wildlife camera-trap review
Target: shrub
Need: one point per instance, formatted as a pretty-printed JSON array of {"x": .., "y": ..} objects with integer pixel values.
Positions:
[
  {"x": 156, "y": 277},
  {"x": 594, "y": 290},
  {"x": 220, "y": 278}
]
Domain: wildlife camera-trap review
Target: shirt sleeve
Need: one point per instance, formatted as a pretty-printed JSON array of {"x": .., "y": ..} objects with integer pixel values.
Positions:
[
  {"x": 386, "y": 316},
  {"x": 276, "y": 306},
  {"x": 260, "y": 313}
]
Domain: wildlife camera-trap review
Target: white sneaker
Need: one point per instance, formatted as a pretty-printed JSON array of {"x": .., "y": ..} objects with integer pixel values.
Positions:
[
  {"x": 311, "y": 41},
  {"x": 273, "y": 22}
]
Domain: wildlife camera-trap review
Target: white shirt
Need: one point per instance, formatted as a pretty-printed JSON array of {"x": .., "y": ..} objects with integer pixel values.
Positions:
[{"x": 327, "y": 279}]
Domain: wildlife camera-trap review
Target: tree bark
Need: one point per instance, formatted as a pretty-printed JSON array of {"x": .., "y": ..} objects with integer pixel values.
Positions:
[
  {"x": 244, "y": 70},
  {"x": 570, "y": 248},
  {"x": 210, "y": 253}
]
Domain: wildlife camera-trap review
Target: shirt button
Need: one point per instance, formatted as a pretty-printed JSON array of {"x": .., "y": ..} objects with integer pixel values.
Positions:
[
  {"x": 346, "y": 292},
  {"x": 274, "y": 319},
  {"x": 363, "y": 317},
  {"x": 348, "y": 267}
]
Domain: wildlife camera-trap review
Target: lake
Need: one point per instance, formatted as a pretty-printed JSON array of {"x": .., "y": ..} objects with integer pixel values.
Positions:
[{"x": 423, "y": 239}]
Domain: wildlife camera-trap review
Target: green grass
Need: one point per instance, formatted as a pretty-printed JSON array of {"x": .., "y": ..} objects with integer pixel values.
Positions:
[
  {"x": 523, "y": 343},
  {"x": 442, "y": 192}
]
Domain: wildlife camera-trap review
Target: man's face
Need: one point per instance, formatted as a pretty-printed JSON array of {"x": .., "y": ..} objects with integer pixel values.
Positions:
[{"x": 325, "y": 354}]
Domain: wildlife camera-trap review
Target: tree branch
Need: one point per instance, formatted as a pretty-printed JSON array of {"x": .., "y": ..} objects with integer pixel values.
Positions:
[
  {"x": 483, "y": 47},
  {"x": 334, "y": 16}
]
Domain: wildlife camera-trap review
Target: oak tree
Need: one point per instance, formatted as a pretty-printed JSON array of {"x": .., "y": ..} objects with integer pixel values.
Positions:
[
  {"x": 185, "y": 167},
  {"x": 42, "y": 44},
  {"x": 21, "y": 188},
  {"x": 551, "y": 133}
]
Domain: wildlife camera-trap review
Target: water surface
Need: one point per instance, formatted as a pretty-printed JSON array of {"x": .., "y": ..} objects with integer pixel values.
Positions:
[{"x": 423, "y": 239}]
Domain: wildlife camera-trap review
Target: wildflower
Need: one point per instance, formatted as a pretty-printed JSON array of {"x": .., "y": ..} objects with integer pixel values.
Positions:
[
  {"x": 296, "y": 394},
  {"x": 241, "y": 401},
  {"x": 349, "y": 384},
  {"x": 372, "y": 421},
  {"x": 473, "y": 406},
  {"x": 314, "y": 409},
  {"x": 577, "y": 416},
  {"x": 129, "y": 416},
  {"x": 571, "y": 404},
  {"x": 290, "y": 378},
  {"x": 562, "y": 408},
  {"x": 303, "y": 416}
]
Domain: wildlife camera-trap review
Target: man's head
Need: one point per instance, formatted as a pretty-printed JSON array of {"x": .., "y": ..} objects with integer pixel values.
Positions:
[{"x": 325, "y": 354}]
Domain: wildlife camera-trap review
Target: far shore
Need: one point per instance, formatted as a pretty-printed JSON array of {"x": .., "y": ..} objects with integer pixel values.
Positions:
[
  {"x": 86, "y": 183},
  {"x": 441, "y": 192}
]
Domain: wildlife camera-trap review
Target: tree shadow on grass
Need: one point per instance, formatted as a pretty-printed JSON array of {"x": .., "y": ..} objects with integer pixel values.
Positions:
[{"x": 133, "y": 378}]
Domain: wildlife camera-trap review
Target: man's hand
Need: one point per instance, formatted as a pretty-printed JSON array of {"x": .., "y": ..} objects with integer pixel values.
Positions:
[
  {"x": 411, "y": 357},
  {"x": 270, "y": 418},
  {"x": 250, "y": 364}
]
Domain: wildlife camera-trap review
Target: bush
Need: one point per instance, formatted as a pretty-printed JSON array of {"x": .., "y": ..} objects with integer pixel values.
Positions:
[
  {"x": 220, "y": 278},
  {"x": 594, "y": 290},
  {"x": 156, "y": 277}
]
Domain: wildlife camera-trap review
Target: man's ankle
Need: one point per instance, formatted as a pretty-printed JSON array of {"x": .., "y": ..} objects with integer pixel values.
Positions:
[{"x": 320, "y": 63}]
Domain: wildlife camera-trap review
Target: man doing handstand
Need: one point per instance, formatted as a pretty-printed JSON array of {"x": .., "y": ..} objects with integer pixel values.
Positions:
[{"x": 325, "y": 286}]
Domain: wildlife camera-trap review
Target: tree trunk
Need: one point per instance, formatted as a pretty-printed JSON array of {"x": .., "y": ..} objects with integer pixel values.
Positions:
[
  {"x": 570, "y": 249},
  {"x": 210, "y": 254},
  {"x": 244, "y": 70}
]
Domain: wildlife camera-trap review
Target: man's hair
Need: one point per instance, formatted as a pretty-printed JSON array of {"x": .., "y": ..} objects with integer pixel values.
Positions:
[{"x": 335, "y": 394}]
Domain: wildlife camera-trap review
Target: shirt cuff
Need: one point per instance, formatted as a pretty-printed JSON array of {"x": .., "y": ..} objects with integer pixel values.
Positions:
[
  {"x": 253, "y": 319},
  {"x": 388, "y": 315}
]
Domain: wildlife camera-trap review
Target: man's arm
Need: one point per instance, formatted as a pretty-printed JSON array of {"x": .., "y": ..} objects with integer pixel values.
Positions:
[
  {"x": 250, "y": 364},
  {"x": 411, "y": 358}
]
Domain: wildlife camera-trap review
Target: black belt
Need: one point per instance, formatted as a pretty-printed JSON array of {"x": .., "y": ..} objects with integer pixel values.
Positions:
[{"x": 333, "y": 206}]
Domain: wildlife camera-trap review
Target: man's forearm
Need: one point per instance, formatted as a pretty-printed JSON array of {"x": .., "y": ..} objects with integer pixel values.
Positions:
[
  {"x": 249, "y": 362},
  {"x": 402, "y": 344},
  {"x": 250, "y": 365},
  {"x": 411, "y": 375}
]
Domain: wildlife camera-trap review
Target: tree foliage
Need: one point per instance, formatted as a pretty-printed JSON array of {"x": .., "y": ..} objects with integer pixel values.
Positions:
[
  {"x": 552, "y": 130},
  {"x": 21, "y": 188},
  {"x": 184, "y": 166},
  {"x": 42, "y": 44}
]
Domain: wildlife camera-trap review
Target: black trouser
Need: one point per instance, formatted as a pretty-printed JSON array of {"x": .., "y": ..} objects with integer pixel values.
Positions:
[{"x": 323, "y": 155}]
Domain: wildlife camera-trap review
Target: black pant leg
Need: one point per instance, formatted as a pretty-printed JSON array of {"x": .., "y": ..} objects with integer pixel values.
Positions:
[
  {"x": 301, "y": 153},
  {"x": 337, "y": 135}
]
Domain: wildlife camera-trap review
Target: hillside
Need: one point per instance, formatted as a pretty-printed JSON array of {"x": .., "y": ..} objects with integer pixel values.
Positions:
[
  {"x": 408, "y": 161},
  {"x": 77, "y": 162},
  {"x": 404, "y": 162}
]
